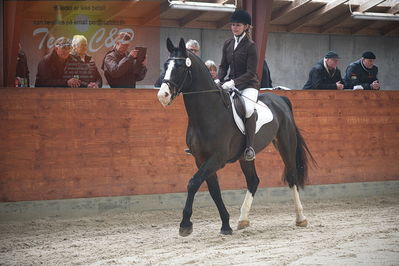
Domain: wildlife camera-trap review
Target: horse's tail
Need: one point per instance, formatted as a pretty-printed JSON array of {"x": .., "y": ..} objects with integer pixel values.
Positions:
[{"x": 302, "y": 153}]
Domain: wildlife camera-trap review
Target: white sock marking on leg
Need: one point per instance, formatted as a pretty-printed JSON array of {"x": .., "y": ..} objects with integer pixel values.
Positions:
[
  {"x": 298, "y": 205},
  {"x": 246, "y": 206}
]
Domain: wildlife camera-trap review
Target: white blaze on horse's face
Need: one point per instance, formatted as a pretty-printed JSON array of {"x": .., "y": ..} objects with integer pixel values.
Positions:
[
  {"x": 168, "y": 72},
  {"x": 164, "y": 94}
]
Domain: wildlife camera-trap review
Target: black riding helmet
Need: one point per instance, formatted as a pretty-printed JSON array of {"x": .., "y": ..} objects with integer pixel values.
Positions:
[{"x": 241, "y": 16}]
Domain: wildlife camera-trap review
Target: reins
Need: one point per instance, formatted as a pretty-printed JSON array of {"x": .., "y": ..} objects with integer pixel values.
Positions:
[
  {"x": 195, "y": 92},
  {"x": 221, "y": 90},
  {"x": 188, "y": 73}
]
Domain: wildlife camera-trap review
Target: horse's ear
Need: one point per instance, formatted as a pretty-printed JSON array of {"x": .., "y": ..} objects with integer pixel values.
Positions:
[
  {"x": 169, "y": 45},
  {"x": 182, "y": 46}
]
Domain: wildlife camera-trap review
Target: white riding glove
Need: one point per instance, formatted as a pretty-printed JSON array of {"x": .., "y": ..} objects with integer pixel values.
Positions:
[
  {"x": 228, "y": 85},
  {"x": 217, "y": 81}
]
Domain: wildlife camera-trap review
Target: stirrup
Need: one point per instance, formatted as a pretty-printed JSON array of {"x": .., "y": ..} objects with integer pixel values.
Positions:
[{"x": 249, "y": 154}]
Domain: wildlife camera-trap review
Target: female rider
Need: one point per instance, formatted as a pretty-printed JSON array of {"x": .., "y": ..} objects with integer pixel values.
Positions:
[{"x": 240, "y": 55}]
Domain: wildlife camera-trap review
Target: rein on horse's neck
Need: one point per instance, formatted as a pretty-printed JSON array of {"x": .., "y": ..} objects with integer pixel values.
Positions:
[
  {"x": 202, "y": 96},
  {"x": 199, "y": 74}
]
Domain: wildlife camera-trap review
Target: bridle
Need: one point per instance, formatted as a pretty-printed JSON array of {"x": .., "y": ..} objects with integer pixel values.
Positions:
[{"x": 177, "y": 89}]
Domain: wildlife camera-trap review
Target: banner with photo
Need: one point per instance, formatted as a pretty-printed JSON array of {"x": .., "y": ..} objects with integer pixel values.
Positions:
[{"x": 43, "y": 22}]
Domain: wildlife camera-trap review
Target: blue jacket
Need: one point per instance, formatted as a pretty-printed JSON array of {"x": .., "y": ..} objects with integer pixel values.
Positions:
[{"x": 358, "y": 74}]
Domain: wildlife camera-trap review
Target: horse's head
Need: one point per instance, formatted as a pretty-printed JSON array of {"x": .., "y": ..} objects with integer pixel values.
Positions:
[{"x": 177, "y": 74}]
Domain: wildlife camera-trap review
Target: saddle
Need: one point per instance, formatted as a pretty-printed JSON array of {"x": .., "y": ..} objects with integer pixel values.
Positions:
[{"x": 263, "y": 113}]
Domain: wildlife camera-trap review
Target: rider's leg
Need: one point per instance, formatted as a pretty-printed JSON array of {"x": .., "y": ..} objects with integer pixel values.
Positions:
[{"x": 250, "y": 96}]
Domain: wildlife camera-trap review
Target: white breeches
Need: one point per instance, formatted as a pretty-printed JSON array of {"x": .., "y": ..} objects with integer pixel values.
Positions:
[{"x": 250, "y": 96}]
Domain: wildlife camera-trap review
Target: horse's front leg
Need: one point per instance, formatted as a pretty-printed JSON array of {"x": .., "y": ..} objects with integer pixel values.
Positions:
[
  {"x": 214, "y": 190},
  {"x": 207, "y": 169}
]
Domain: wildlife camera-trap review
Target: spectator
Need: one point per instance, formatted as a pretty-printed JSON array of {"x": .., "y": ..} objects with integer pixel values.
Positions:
[
  {"x": 82, "y": 66},
  {"x": 50, "y": 71},
  {"x": 22, "y": 71},
  {"x": 362, "y": 74},
  {"x": 240, "y": 56},
  {"x": 120, "y": 67},
  {"x": 325, "y": 75},
  {"x": 266, "y": 81},
  {"x": 193, "y": 46},
  {"x": 212, "y": 69}
]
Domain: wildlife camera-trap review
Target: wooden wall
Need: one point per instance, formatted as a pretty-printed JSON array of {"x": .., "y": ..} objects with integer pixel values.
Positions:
[{"x": 74, "y": 143}]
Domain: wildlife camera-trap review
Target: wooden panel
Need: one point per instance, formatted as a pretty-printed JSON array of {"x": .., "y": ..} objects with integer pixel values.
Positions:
[{"x": 74, "y": 143}]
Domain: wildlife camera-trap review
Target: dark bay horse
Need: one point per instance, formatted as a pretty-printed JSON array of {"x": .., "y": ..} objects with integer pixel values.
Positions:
[{"x": 214, "y": 139}]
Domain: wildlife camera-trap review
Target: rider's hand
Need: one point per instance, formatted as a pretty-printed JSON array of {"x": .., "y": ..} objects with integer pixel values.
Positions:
[
  {"x": 228, "y": 85},
  {"x": 217, "y": 81}
]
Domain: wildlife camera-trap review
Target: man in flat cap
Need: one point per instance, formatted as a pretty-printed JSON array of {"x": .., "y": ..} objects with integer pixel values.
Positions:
[
  {"x": 50, "y": 71},
  {"x": 325, "y": 75},
  {"x": 362, "y": 74}
]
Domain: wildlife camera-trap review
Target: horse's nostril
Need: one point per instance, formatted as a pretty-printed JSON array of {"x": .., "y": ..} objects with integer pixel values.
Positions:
[{"x": 166, "y": 94}]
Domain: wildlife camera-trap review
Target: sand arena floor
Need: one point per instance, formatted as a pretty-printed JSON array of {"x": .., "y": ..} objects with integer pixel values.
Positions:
[{"x": 341, "y": 232}]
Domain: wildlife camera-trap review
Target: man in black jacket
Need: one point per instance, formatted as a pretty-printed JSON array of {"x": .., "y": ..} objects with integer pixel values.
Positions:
[
  {"x": 266, "y": 81},
  {"x": 362, "y": 74},
  {"x": 325, "y": 75}
]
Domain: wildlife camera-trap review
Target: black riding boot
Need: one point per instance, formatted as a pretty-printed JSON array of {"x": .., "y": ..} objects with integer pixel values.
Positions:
[{"x": 250, "y": 127}]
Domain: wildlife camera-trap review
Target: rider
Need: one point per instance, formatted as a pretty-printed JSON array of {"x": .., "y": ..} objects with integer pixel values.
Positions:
[{"x": 240, "y": 55}]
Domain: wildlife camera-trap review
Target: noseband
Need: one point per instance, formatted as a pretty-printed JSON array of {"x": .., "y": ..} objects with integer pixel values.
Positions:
[{"x": 172, "y": 84}]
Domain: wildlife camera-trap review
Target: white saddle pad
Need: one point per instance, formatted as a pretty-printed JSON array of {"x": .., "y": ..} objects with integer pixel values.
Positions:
[{"x": 264, "y": 115}]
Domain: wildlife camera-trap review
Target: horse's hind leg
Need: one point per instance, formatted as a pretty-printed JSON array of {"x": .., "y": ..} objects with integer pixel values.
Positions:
[
  {"x": 214, "y": 190},
  {"x": 248, "y": 168},
  {"x": 286, "y": 144},
  {"x": 300, "y": 218}
]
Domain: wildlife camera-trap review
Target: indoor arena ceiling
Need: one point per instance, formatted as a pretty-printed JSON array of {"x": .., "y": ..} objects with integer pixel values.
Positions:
[{"x": 299, "y": 16}]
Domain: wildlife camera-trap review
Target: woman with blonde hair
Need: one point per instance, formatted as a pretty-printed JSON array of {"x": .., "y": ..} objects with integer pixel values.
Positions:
[
  {"x": 212, "y": 69},
  {"x": 82, "y": 66},
  {"x": 240, "y": 55}
]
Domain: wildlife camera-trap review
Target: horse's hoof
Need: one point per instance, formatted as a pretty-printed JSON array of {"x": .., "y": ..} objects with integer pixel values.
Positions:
[
  {"x": 185, "y": 231},
  {"x": 228, "y": 231},
  {"x": 303, "y": 223},
  {"x": 242, "y": 224}
]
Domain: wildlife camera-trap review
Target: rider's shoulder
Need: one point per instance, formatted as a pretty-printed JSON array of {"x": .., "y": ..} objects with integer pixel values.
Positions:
[{"x": 228, "y": 41}]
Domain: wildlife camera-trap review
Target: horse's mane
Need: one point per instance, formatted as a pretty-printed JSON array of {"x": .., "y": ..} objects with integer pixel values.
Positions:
[{"x": 199, "y": 65}]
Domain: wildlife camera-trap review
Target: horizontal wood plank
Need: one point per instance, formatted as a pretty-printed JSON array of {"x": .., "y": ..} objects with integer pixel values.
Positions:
[{"x": 74, "y": 143}]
